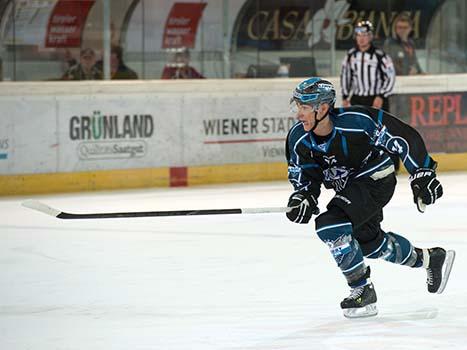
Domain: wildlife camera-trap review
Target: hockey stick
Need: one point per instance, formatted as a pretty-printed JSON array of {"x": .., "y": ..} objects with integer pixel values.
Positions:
[{"x": 43, "y": 208}]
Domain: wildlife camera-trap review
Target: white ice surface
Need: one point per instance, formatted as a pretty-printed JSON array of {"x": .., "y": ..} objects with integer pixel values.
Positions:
[{"x": 216, "y": 282}]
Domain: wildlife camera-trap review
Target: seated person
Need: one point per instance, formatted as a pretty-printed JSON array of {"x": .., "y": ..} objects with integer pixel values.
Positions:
[
  {"x": 85, "y": 69},
  {"x": 180, "y": 67},
  {"x": 118, "y": 68}
]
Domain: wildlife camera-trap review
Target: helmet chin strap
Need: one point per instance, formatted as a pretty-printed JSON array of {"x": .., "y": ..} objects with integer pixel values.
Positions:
[{"x": 317, "y": 121}]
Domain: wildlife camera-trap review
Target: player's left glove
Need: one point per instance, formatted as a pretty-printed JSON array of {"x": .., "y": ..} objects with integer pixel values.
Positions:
[
  {"x": 304, "y": 205},
  {"x": 425, "y": 187}
]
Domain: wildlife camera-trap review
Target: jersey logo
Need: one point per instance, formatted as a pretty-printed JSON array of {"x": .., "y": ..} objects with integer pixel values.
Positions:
[
  {"x": 294, "y": 170},
  {"x": 322, "y": 147},
  {"x": 294, "y": 175},
  {"x": 330, "y": 160},
  {"x": 397, "y": 145},
  {"x": 380, "y": 136},
  {"x": 337, "y": 176}
]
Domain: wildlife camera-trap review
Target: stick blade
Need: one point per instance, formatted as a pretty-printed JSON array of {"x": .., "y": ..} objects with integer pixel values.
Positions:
[
  {"x": 420, "y": 205},
  {"x": 41, "y": 207}
]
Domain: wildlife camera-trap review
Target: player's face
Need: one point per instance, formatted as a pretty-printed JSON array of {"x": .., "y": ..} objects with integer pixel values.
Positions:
[{"x": 307, "y": 115}]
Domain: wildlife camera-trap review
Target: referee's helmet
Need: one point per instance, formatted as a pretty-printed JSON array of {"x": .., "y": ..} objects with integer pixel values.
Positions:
[{"x": 363, "y": 27}]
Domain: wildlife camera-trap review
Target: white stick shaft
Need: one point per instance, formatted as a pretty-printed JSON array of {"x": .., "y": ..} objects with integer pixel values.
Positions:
[{"x": 265, "y": 210}]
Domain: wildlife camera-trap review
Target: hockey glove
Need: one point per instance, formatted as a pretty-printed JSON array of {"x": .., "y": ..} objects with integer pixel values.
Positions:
[
  {"x": 303, "y": 205},
  {"x": 425, "y": 187}
]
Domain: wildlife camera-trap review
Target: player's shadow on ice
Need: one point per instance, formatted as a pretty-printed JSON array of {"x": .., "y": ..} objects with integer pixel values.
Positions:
[{"x": 422, "y": 314}]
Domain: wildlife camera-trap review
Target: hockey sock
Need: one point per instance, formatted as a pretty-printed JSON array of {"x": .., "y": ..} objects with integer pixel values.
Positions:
[
  {"x": 345, "y": 250},
  {"x": 398, "y": 250}
]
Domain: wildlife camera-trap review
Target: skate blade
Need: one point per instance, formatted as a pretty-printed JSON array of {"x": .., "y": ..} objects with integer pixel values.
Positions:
[
  {"x": 359, "y": 312},
  {"x": 448, "y": 261}
]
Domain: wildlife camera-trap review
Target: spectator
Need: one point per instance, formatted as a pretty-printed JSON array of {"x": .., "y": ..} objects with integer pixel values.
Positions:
[
  {"x": 402, "y": 47},
  {"x": 85, "y": 69},
  {"x": 180, "y": 67},
  {"x": 118, "y": 68},
  {"x": 68, "y": 60}
]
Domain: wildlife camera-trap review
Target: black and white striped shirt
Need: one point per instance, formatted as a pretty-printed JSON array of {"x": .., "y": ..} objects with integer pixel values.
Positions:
[{"x": 369, "y": 73}]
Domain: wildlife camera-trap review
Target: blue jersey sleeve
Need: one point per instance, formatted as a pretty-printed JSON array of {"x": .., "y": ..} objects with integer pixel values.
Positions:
[
  {"x": 303, "y": 172},
  {"x": 397, "y": 137},
  {"x": 389, "y": 133}
]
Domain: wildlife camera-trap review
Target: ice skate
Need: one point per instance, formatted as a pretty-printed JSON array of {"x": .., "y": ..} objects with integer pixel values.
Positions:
[
  {"x": 361, "y": 302},
  {"x": 438, "y": 264}
]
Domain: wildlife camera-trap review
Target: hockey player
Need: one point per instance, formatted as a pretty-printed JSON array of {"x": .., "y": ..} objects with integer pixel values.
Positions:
[{"x": 346, "y": 149}]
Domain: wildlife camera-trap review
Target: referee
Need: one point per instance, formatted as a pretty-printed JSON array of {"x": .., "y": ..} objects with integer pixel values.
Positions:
[{"x": 368, "y": 75}]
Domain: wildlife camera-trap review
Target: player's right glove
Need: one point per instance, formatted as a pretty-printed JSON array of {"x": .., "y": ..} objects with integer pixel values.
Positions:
[
  {"x": 303, "y": 205},
  {"x": 425, "y": 187}
]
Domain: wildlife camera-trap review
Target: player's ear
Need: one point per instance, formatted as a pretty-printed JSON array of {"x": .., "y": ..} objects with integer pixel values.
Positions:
[{"x": 324, "y": 108}]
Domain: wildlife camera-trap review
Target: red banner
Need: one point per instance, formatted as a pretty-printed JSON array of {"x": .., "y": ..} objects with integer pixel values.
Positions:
[
  {"x": 182, "y": 24},
  {"x": 66, "y": 23},
  {"x": 440, "y": 118}
]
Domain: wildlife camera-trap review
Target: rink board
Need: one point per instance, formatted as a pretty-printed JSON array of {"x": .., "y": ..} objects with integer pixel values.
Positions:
[
  {"x": 167, "y": 177},
  {"x": 64, "y": 137}
]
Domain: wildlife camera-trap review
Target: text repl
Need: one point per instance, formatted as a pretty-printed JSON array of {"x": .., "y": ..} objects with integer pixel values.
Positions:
[{"x": 105, "y": 127}]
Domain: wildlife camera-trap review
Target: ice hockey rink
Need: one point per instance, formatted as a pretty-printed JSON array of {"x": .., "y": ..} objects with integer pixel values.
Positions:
[{"x": 251, "y": 281}]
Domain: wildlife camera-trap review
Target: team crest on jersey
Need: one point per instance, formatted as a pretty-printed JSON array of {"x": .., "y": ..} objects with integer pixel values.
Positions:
[{"x": 336, "y": 175}]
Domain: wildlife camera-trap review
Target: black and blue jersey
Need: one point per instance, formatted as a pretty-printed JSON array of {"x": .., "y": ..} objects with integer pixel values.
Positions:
[{"x": 358, "y": 147}]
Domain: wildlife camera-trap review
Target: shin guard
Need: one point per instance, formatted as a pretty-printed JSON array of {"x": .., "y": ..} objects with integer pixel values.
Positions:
[
  {"x": 345, "y": 250},
  {"x": 396, "y": 249}
]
